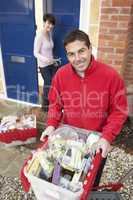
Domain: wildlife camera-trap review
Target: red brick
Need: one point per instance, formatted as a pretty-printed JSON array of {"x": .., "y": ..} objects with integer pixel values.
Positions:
[
  {"x": 101, "y": 54},
  {"x": 121, "y": 51},
  {"x": 130, "y": 46},
  {"x": 106, "y": 49},
  {"x": 117, "y": 31},
  {"x": 119, "y": 44},
  {"x": 130, "y": 64},
  {"x": 106, "y": 36},
  {"x": 120, "y": 18},
  {"x": 103, "y": 43},
  {"x": 107, "y": 61},
  {"x": 116, "y": 36},
  {"x": 128, "y": 72},
  {"x": 121, "y": 3},
  {"x": 121, "y": 37},
  {"x": 116, "y": 56},
  {"x": 125, "y": 11},
  {"x": 104, "y": 17},
  {"x": 127, "y": 76},
  {"x": 129, "y": 79},
  {"x": 123, "y": 24},
  {"x": 115, "y": 17},
  {"x": 103, "y": 30},
  {"x": 118, "y": 62},
  {"x": 130, "y": 25},
  {"x": 108, "y": 24},
  {"x": 110, "y": 10},
  {"x": 106, "y": 3}
]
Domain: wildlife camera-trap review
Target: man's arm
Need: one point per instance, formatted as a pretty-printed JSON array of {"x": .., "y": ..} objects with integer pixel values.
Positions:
[
  {"x": 118, "y": 110},
  {"x": 116, "y": 118},
  {"x": 55, "y": 108}
]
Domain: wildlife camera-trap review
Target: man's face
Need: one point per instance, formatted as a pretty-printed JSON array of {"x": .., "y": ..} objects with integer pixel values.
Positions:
[{"x": 79, "y": 55}]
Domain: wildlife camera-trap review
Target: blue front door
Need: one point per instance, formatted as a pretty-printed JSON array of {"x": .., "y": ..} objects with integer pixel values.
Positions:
[
  {"x": 67, "y": 16},
  {"x": 17, "y": 27}
]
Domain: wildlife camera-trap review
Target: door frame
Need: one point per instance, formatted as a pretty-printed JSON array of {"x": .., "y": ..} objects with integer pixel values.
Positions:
[
  {"x": 2, "y": 76},
  {"x": 84, "y": 15}
]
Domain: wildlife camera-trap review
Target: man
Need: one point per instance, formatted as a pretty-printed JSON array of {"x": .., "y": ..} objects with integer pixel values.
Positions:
[{"x": 87, "y": 94}]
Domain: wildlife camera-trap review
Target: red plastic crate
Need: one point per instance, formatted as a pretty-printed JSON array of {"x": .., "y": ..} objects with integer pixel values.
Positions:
[
  {"x": 88, "y": 183},
  {"x": 17, "y": 135}
]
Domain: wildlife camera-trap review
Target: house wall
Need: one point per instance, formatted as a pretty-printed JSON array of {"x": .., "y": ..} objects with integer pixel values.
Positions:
[
  {"x": 128, "y": 60},
  {"x": 115, "y": 40},
  {"x": 113, "y": 32}
]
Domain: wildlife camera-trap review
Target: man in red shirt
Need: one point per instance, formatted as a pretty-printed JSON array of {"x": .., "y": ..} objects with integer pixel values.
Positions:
[{"x": 87, "y": 94}]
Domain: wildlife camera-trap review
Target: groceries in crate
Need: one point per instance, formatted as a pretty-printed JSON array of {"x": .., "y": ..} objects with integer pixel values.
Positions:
[
  {"x": 34, "y": 167},
  {"x": 65, "y": 162},
  {"x": 17, "y": 122}
]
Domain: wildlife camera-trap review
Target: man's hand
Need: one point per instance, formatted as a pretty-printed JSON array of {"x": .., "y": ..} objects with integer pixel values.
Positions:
[
  {"x": 105, "y": 146},
  {"x": 48, "y": 131},
  {"x": 102, "y": 145}
]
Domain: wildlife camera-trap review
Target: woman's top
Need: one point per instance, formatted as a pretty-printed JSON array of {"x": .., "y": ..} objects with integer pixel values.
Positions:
[{"x": 43, "y": 49}]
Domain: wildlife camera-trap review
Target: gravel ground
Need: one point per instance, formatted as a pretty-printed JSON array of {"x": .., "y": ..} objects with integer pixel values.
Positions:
[
  {"x": 118, "y": 164},
  {"x": 11, "y": 189}
]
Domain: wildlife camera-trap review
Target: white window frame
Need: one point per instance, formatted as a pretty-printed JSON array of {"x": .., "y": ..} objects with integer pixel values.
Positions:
[{"x": 4, "y": 93}]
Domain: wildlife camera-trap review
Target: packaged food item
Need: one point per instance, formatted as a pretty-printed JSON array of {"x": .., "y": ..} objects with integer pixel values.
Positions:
[
  {"x": 46, "y": 163},
  {"x": 92, "y": 138}
]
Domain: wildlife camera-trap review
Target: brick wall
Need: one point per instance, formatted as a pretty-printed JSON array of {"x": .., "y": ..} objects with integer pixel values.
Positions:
[
  {"x": 128, "y": 60},
  {"x": 114, "y": 37}
]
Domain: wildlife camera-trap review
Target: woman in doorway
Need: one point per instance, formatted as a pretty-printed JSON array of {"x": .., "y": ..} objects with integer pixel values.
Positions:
[{"x": 43, "y": 51}]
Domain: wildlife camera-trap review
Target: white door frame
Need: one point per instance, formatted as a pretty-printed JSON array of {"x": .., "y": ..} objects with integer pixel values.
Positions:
[
  {"x": 84, "y": 23},
  {"x": 84, "y": 20},
  {"x": 4, "y": 93}
]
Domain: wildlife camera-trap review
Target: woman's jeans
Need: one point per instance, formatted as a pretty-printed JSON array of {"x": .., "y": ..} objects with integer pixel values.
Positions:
[{"x": 47, "y": 75}]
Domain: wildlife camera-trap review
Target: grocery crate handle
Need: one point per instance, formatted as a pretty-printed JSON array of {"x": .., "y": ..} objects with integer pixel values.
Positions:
[{"x": 88, "y": 184}]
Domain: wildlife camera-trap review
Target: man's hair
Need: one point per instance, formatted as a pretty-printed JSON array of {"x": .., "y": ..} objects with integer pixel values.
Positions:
[
  {"x": 50, "y": 18},
  {"x": 77, "y": 35}
]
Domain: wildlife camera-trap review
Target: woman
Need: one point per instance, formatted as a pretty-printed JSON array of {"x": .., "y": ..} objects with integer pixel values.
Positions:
[{"x": 43, "y": 51}]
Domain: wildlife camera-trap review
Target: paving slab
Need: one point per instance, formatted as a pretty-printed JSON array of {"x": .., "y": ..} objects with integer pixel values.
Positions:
[{"x": 12, "y": 161}]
